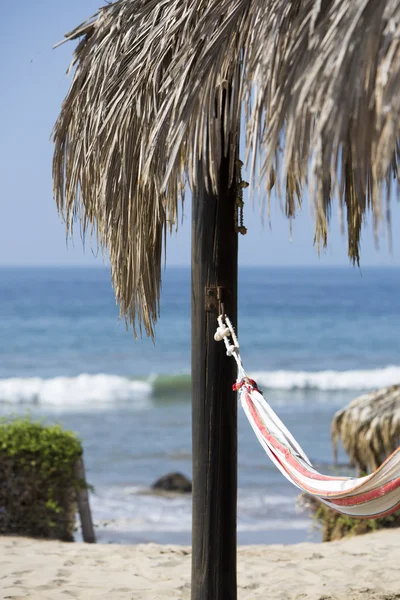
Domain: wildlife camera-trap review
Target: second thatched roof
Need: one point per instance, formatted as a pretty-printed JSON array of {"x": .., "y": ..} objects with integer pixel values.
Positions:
[
  {"x": 317, "y": 83},
  {"x": 369, "y": 428}
]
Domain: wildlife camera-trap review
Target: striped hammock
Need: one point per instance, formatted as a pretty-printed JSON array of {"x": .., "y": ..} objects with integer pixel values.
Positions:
[{"x": 372, "y": 496}]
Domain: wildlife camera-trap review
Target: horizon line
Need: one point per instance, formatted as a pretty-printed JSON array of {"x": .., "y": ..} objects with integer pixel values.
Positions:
[{"x": 180, "y": 266}]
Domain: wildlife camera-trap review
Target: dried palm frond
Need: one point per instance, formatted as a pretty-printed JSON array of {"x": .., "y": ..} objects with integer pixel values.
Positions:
[
  {"x": 162, "y": 84},
  {"x": 369, "y": 428}
]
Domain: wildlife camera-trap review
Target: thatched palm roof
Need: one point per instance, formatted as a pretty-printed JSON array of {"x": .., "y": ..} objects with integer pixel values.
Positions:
[
  {"x": 369, "y": 428},
  {"x": 315, "y": 81}
]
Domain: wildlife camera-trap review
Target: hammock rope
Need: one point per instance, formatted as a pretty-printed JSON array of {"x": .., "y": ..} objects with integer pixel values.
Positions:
[{"x": 373, "y": 496}]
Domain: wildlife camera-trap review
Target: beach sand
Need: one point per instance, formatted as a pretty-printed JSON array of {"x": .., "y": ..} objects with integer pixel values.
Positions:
[{"x": 364, "y": 567}]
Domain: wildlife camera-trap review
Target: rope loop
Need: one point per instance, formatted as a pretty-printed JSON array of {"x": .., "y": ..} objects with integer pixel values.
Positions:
[{"x": 226, "y": 332}]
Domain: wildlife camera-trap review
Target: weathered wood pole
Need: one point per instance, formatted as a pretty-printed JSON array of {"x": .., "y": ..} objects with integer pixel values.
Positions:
[
  {"x": 214, "y": 404},
  {"x": 82, "y": 497}
]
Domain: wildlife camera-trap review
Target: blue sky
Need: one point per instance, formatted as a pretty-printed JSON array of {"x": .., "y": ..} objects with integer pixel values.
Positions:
[{"x": 34, "y": 84}]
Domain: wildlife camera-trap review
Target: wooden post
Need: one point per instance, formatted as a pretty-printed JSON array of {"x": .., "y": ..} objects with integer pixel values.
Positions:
[
  {"x": 214, "y": 404},
  {"x": 83, "y": 504}
]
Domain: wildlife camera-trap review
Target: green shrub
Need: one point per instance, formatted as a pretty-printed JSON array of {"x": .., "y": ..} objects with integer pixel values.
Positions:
[
  {"x": 336, "y": 525},
  {"x": 37, "y": 482}
]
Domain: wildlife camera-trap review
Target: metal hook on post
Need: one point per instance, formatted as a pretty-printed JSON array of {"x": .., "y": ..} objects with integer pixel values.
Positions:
[{"x": 214, "y": 299}]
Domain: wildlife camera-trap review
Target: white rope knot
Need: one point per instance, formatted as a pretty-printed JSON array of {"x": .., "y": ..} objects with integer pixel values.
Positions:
[
  {"x": 221, "y": 333},
  {"x": 226, "y": 332}
]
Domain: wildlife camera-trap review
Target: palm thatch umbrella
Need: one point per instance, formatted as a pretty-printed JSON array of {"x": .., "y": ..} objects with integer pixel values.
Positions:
[
  {"x": 159, "y": 95},
  {"x": 369, "y": 428}
]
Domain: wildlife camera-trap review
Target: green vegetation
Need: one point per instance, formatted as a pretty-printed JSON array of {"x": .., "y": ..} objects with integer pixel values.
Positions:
[
  {"x": 336, "y": 526},
  {"x": 37, "y": 495}
]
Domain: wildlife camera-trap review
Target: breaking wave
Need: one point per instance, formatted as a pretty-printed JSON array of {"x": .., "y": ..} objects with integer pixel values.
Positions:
[
  {"x": 329, "y": 380},
  {"x": 104, "y": 389},
  {"x": 71, "y": 392}
]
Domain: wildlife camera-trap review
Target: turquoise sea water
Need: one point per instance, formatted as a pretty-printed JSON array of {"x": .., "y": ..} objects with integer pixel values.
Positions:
[{"x": 313, "y": 338}]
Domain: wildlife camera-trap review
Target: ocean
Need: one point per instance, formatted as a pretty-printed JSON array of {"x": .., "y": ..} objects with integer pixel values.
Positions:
[{"x": 313, "y": 338}]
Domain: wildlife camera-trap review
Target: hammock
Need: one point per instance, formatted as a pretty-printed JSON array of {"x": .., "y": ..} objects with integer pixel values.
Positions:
[{"x": 372, "y": 496}]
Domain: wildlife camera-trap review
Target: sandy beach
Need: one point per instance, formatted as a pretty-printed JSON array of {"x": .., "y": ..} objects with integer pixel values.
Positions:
[{"x": 364, "y": 567}]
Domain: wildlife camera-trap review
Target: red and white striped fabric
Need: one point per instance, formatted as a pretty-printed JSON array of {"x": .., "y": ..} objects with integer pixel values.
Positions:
[{"x": 373, "y": 496}]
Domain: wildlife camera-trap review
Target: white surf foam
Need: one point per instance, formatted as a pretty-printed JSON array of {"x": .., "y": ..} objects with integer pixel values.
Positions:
[
  {"x": 75, "y": 391},
  {"x": 328, "y": 380},
  {"x": 104, "y": 390},
  {"x": 126, "y": 509}
]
